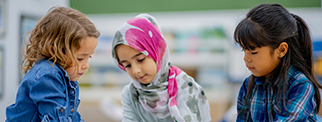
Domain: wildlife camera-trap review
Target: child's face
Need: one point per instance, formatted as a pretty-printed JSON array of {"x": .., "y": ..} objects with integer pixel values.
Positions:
[
  {"x": 261, "y": 61},
  {"x": 140, "y": 67},
  {"x": 87, "y": 47}
]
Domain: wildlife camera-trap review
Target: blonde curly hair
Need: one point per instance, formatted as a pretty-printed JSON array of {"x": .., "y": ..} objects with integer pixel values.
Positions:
[{"x": 56, "y": 37}]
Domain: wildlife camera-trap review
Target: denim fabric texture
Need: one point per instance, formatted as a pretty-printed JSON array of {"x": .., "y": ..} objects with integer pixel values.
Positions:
[{"x": 45, "y": 94}]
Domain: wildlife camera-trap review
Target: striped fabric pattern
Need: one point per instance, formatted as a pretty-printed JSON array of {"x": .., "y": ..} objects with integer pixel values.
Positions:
[{"x": 300, "y": 101}]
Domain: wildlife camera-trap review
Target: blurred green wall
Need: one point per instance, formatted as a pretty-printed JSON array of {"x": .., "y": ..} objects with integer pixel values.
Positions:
[{"x": 138, "y": 6}]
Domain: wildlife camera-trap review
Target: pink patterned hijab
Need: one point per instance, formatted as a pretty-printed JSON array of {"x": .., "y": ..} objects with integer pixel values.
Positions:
[{"x": 171, "y": 85}]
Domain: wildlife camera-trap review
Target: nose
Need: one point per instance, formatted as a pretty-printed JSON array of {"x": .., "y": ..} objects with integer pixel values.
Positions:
[
  {"x": 246, "y": 57},
  {"x": 85, "y": 65},
  {"x": 136, "y": 70}
]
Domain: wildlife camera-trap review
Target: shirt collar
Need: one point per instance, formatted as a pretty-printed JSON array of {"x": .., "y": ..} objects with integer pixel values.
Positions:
[
  {"x": 72, "y": 84},
  {"x": 261, "y": 80}
]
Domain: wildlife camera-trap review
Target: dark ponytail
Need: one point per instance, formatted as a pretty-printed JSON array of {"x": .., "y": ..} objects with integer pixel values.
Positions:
[{"x": 305, "y": 64}]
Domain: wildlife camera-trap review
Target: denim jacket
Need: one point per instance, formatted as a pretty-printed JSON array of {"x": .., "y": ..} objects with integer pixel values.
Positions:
[{"x": 45, "y": 94}]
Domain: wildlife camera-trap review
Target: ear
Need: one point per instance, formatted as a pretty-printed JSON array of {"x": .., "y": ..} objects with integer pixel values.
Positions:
[{"x": 282, "y": 49}]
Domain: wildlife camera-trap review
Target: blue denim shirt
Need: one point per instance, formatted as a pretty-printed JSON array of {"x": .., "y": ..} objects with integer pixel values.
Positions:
[{"x": 45, "y": 94}]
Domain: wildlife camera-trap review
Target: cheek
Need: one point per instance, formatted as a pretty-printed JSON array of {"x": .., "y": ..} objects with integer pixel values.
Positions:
[
  {"x": 80, "y": 67},
  {"x": 155, "y": 69},
  {"x": 71, "y": 70},
  {"x": 129, "y": 72}
]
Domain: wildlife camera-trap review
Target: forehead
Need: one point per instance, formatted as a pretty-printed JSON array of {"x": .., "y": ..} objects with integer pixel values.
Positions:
[
  {"x": 263, "y": 49},
  {"x": 87, "y": 45},
  {"x": 125, "y": 52}
]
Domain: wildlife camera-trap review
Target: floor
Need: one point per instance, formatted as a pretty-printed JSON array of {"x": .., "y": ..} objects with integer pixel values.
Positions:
[{"x": 92, "y": 113}]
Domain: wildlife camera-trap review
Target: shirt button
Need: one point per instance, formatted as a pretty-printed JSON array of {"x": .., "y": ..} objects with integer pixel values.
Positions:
[
  {"x": 72, "y": 92},
  {"x": 61, "y": 110},
  {"x": 72, "y": 110}
]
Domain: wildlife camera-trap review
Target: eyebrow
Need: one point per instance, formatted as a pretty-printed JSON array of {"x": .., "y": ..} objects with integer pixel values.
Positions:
[
  {"x": 132, "y": 57},
  {"x": 85, "y": 54}
]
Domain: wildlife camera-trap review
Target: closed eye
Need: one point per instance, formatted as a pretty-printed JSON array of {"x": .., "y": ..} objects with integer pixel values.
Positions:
[
  {"x": 141, "y": 60},
  {"x": 253, "y": 52},
  {"x": 127, "y": 66}
]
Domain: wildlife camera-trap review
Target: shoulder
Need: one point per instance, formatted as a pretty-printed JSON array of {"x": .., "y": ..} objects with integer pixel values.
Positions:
[
  {"x": 244, "y": 86},
  {"x": 44, "y": 73},
  {"x": 245, "y": 83},
  {"x": 127, "y": 97},
  {"x": 187, "y": 85},
  {"x": 127, "y": 87},
  {"x": 183, "y": 79},
  {"x": 298, "y": 78},
  {"x": 45, "y": 66},
  {"x": 126, "y": 92}
]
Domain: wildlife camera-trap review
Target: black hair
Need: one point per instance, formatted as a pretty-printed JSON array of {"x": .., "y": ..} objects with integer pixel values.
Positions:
[{"x": 270, "y": 25}]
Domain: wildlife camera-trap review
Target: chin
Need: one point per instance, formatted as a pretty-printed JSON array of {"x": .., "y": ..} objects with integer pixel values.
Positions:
[
  {"x": 145, "y": 83},
  {"x": 258, "y": 75},
  {"x": 74, "y": 79}
]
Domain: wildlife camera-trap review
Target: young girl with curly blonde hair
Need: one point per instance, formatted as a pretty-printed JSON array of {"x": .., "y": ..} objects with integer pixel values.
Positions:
[{"x": 56, "y": 55}]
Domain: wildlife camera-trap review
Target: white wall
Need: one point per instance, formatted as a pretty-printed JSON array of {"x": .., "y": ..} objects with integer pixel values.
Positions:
[
  {"x": 10, "y": 43},
  {"x": 313, "y": 18},
  {"x": 109, "y": 23}
]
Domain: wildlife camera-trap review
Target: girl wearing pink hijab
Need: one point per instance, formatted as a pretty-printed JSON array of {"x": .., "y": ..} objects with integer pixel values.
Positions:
[{"x": 158, "y": 91}]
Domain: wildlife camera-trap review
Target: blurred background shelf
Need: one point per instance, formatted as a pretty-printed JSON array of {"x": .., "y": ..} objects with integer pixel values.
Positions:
[{"x": 178, "y": 59}]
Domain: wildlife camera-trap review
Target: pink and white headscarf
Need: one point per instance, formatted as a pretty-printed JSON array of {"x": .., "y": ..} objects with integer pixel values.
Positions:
[{"x": 171, "y": 85}]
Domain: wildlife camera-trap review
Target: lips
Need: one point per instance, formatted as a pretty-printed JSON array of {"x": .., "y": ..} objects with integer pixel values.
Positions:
[
  {"x": 250, "y": 68},
  {"x": 142, "y": 77},
  {"x": 80, "y": 74}
]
